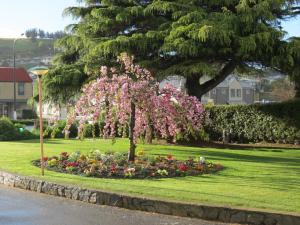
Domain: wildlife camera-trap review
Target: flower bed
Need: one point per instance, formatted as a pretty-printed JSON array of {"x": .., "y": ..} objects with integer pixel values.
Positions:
[{"x": 115, "y": 165}]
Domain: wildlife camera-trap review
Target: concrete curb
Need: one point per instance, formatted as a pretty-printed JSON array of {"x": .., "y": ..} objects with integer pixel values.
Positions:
[{"x": 216, "y": 213}]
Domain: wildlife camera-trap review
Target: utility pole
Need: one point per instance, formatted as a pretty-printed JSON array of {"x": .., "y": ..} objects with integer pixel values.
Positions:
[{"x": 14, "y": 78}]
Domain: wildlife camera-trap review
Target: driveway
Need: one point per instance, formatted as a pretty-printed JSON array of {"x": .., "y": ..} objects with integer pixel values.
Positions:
[{"x": 18, "y": 207}]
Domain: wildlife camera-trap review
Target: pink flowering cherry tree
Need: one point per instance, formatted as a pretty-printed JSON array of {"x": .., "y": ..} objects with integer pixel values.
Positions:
[{"x": 129, "y": 97}]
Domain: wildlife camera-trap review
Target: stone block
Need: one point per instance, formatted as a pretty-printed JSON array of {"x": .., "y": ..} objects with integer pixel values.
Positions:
[
  {"x": 238, "y": 217},
  {"x": 255, "y": 218},
  {"x": 93, "y": 198},
  {"x": 224, "y": 215},
  {"x": 164, "y": 208},
  {"x": 211, "y": 213}
]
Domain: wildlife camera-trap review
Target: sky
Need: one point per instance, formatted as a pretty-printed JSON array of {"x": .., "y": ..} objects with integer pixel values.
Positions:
[{"x": 17, "y": 16}]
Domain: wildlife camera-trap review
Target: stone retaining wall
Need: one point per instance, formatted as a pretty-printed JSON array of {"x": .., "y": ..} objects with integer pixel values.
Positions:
[{"x": 223, "y": 214}]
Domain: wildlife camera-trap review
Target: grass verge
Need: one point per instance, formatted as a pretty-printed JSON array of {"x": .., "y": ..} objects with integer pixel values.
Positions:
[{"x": 263, "y": 177}]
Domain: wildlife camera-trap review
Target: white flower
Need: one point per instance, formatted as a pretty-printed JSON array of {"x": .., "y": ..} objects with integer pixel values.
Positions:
[
  {"x": 202, "y": 160},
  {"x": 173, "y": 99}
]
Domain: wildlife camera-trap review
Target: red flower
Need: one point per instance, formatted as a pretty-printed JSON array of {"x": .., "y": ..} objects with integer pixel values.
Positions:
[
  {"x": 183, "y": 167},
  {"x": 64, "y": 156},
  {"x": 113, "y": 169},
  {"x": 72, "y": 164},
  {"x": 45, "y": 159},
  {"x": 170, "y": 157}
]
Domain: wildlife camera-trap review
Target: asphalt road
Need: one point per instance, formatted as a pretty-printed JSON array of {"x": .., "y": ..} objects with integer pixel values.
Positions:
[{"x": 18, "y": 207}]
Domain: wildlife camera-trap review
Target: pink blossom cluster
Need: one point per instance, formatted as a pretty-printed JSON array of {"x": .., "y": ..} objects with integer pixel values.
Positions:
[{"x": 168, "y": 111}]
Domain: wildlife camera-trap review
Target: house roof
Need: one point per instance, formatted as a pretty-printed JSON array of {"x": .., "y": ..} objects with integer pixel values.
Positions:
[
  {"x": 6, "y": 75},
  {"x": 245, "y": 83}
]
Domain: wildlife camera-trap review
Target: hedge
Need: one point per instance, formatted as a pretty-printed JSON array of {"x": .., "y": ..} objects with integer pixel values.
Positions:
[
  {"x": 10, "y": 131},
  {"x": 276, "y": 122}
]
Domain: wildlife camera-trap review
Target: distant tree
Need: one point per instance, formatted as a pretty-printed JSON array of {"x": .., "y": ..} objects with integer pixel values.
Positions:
[
  {"x": 32, "y": 33},
  {"x": 58, "y": 34},
  {"x": 283, "y": 89},
  {"x": 51, "y": 35},
  {"x": 42, "y": 34},
  {"x": 39, "y": 33},
  {"x": 47, "y": 34}
]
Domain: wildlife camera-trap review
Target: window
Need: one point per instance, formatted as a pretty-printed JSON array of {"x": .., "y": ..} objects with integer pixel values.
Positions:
[
  {"x": 21, "y": 88},
  {"x": 223, "y": 91},
  {"x": 232, "y": 93},
  {"x": 247, "y": 92},
  {"x": 238, "y": 93},
  {"x": 213, "y": 91}
]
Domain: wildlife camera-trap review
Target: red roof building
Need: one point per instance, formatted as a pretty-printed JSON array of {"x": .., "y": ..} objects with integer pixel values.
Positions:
[
  {"x": 7, "y": 75},
  {"x": 24, "y": 90}
]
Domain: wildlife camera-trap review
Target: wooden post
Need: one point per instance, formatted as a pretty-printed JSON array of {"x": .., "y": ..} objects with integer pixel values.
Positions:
[
  {"x": 41, "y": 124},
  {"x": 131, "y": 153}
]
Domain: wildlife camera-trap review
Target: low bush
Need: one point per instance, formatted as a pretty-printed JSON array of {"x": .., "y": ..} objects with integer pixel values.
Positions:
[
  {"x": 279, "y": 122},
  {"x": 8, "y": 131},
  {"x": 26, "y": 122},
  {"x": 57, "y": 130},
  {"x": 28, "y": 114},
  {"x": 91, "y": 130}
]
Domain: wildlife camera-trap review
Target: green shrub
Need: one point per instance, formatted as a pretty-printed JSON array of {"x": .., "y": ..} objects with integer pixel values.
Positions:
[
  {"x": 26, "y": 135},
  {"x": 279, "y": 122},
  {"x": 8, "y": 131},
  {"x": 91, "y": 130},
  {"x": 47, "y": 131},
  {"x": 57, "y": 130},
  {"x": 26, "y": 122},
  {"x": 28, "y": 114}
]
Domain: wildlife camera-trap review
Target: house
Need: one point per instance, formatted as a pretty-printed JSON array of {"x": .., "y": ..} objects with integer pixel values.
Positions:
[
  {"x": 52, "y": 111},
  {"x": 232, "y": 90},
  {"x": 24, "y": 89},
  {"x": 178, "y": 82}
]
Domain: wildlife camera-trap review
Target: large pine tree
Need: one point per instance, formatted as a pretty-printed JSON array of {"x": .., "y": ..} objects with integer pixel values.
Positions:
[{"x": 184, "y": 37}]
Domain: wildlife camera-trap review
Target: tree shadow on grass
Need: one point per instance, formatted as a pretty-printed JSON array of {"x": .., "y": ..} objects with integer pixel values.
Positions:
[
  {"x": 37, "y": 141},
  {"x": 261, "y": 147},
  {"x": 233, "y": 156}
]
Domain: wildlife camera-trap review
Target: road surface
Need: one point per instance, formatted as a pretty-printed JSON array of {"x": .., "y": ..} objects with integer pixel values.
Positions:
[{"x": 18, "y": 207}]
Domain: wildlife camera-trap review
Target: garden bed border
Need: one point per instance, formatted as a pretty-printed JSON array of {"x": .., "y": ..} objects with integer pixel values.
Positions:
[{"x": 201, "y": 211}]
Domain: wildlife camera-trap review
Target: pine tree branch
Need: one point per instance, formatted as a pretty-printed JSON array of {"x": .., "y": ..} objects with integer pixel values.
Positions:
[
  {"x": 197, "y": 89},
  {"x": 210, "y": 84}
]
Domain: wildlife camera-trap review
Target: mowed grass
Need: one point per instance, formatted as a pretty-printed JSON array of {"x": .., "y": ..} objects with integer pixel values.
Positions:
[{"x": 265, "y": 178}]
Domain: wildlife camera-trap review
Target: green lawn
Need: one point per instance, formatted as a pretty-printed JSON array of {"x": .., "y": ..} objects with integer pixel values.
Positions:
[{"x": 267, "y": 178}]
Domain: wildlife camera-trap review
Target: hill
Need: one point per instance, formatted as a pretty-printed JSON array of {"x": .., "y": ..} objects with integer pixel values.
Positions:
[{"x": 28, "y": 52}]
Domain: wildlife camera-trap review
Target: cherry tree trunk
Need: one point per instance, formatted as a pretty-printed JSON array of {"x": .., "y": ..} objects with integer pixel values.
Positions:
[
  {"x": 131, "y": 153},
  {"x": 149, "y": 131}
]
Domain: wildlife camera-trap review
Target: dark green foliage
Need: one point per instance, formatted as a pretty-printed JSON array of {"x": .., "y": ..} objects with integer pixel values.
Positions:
[
  {"x": 57, "y": 130},
  {"x": 28, "y": 114},
  {"x": 63, "y": 82},
  {"x": 189, "y": 38},
  {"x": 278, "y": 122},
  {"x": 25, "y": 134},
  {"x": 91, "y": 130},
  {"x": 26, "y": 122},
  {"x": 8, "y": 131}
]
